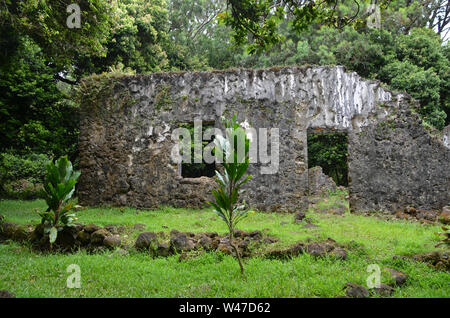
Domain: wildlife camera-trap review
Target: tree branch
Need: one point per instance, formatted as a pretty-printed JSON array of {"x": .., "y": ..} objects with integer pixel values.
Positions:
[{"x": 58, "y": 77}]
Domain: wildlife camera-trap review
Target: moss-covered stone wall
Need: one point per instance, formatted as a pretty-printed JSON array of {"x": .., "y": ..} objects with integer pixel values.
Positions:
[{"x": 127, "y": 122}]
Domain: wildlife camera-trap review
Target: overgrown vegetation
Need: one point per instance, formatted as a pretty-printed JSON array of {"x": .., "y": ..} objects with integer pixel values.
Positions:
[
  {"x": 22, "y": 176},
  {"x": 99, "y": 89},
  {"x": 110, "y": 273},
  {"x": 329, "y": 151}
]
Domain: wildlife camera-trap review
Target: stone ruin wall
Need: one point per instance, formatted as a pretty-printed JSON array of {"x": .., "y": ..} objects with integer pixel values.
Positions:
[{"x": 125, "y": 147}]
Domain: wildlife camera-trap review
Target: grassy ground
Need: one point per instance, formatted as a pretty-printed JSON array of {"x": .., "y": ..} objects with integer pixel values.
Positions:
[{"x": 375, "y": 241}]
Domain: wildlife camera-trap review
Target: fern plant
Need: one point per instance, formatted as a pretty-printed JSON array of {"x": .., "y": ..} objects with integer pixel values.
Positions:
[
  {"x": 234, "y": 149},
  {"x": 59, "y": 186}
]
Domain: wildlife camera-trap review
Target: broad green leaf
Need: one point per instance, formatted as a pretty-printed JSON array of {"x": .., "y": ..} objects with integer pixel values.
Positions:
[{"x": 53, "y": 234}]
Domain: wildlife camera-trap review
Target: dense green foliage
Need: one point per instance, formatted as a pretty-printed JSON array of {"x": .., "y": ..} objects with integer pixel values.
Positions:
[
  {"x": 21, "y": 176},
  {"x": 45, "y": 22},
  {"x": 42, "y": 60},
  {"x": 265, "y": 20},
  {"x": 193, "y": 169},
  {"x": 30, "y": 167},
  {"x": 36, "y": 112},
  {"x": 329, "y": 151}
]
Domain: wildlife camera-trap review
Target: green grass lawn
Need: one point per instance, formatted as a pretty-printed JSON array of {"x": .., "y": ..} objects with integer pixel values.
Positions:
[{"x": 110, "y": 274}]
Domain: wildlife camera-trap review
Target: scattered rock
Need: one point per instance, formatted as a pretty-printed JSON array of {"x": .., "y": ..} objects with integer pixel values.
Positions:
[
  {"x": 238, "y": 233},
  {"x": 84, "y": 237},
  {"x": 299, "y": 217},
  {"x": 112, "y": 241},
  {"x": 399, "y": 277},
  {"x": 9, "y": 228},
  {"x": 444, "y": 217},
  {"x": 225, "y": 248},
  {"x": 211, "y": 234},
  {"x": 424, "y": 216},
  {"x": 20, "y": 234},
  {"x": 215, "y": 242},
  {"x": 255, "y": 235},
  {"x": 98, "y": 236},
  {"x": 310, "y": 226},
  {"x": 293, "y": 251},
  {"x": 6, "y": 294},
  {"x": 146, "y": 240},
  {"x": 410, "y": 211},
  {"x": 181, "y": 243},
  {"x": 384, "y": 290},
  {"x": 443, "y": 265},
  {"x": 91, "y": 228},
  {"x": 339, "y": 253},
  {"x": 338, "y": 210},
  {"x": 319, "y": 182},
  {"x": 139, "y": 227},
  {"x": 315, "y": 249},
  {"x": 67, "y": 238},
  {"x": 163, "y": 249},
  {"x": 269, "y": 240},
  {"x": 245, "y": 244},
  {"x": 430, "y": 257},
  {"x": 111, "y": 229},
  {"x": 356, "y": 291},
  {"x": 400, "y": 215},
  {"x": 440, "y": 260},
  {"x": 205, "y": 242}
]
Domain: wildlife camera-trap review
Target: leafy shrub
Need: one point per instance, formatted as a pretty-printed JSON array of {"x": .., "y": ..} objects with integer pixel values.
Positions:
[
  {"x": 230, "y": 183},
  {"x": 21, "y": 177},
  {"x": 30, "y": 167},
  {"x": 23, "y": 190},
  {"x": 59, "y": 186}
]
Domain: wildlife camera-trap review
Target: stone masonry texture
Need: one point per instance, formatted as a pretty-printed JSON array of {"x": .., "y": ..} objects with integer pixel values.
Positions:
[{"x": 125, "y": 147}]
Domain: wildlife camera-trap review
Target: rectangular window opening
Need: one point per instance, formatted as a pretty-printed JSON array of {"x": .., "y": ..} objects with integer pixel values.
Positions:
[{"x": 203, "y": 169}]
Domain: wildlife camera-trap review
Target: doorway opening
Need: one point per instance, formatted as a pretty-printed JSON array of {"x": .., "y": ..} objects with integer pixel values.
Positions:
[{"x": 329, "y": 150}]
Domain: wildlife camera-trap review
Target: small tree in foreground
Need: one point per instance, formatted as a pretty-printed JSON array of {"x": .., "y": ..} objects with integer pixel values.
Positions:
[
  {"x": 59, "y": 186},
  {"x": 234, "y": 149}
]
